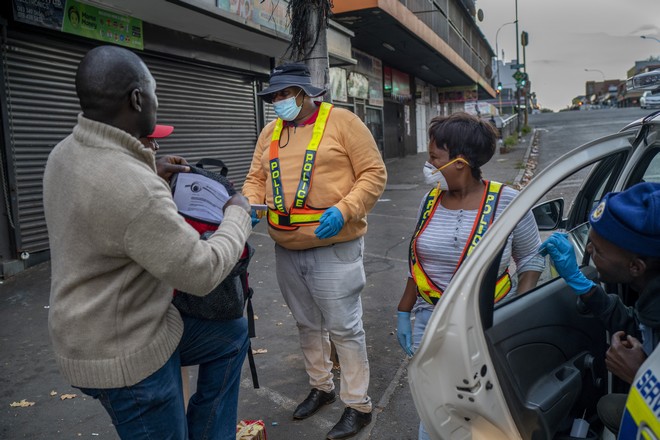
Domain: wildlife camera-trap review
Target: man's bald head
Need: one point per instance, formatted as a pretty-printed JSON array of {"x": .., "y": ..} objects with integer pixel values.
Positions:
[{"x": 113, "y": 84}]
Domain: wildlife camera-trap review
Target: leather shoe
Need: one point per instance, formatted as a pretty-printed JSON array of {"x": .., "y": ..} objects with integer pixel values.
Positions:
[
  {"x": 314, "y": 401},
  {"x": 350, "y": 424}
]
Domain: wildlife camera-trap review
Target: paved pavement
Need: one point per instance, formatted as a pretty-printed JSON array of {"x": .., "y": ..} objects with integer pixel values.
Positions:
[{"x": 29, "y": 372}]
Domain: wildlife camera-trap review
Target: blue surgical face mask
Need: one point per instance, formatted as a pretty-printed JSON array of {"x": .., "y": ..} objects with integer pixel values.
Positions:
[{"x": 287, "y": 109}]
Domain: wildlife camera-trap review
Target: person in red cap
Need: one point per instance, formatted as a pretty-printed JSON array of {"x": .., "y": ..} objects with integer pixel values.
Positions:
[
  {"x": 624, "y": 244},
  {"x": 169, "y": 165},
  {"x": 118, "y": 250}
]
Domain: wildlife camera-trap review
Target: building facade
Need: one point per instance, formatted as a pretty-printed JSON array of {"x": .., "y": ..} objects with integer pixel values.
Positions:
[
  {"x": 209, "y": 58},
  {"x": 434, "y": 57},
  {"x": 396, "y": 64}
]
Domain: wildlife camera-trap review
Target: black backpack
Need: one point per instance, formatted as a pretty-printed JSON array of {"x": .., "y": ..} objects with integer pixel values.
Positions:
[{"x": 233, "y": 295}]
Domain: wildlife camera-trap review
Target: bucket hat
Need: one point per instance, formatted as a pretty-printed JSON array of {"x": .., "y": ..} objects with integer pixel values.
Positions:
[{"x": 290, "y": 75}]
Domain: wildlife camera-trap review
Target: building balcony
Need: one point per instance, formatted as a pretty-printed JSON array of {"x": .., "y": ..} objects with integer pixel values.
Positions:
[{"x": 438, "y": 42}]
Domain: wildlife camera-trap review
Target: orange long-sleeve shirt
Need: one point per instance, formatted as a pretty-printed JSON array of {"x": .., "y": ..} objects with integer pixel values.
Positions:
[{"x": 349, "y": 173}]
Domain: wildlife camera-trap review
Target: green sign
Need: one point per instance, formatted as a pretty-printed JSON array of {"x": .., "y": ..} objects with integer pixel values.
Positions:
[
  {"x": 518, "y": 75},
  {"x": 98, "y": 24}
]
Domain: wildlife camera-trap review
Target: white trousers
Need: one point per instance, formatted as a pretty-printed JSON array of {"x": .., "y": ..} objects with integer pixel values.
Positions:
[{"x": 322, "y": 288}]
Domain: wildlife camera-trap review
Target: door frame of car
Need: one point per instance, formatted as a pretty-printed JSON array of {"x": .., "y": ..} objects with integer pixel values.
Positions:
[{"x": 454, "y": 345}]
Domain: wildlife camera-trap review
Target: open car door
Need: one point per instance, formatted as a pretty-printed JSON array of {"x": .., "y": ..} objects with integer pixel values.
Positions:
[{"x": 526, "y": 368}]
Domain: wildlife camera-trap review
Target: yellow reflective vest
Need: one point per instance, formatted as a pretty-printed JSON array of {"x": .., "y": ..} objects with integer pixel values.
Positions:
[
  {"x": 425, "y": 286},
  {"x": 298, "y": 214},
  {"x": 641, "y": 418}
]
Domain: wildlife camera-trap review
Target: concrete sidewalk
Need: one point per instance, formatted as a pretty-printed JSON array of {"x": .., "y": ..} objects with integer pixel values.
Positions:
[{"x": 29, "y": 371}]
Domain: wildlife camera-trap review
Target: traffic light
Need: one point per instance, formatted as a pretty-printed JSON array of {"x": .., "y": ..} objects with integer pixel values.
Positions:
[
  {"x": 524, "y": 79},
  {"x": 499, "y": 88},
  {"x": 524, "y": 38}
]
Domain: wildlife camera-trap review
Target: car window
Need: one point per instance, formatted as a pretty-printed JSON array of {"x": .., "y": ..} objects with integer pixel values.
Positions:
[
  {"x": 652, "y": 173},
  {"x": 581, "y": 192}
]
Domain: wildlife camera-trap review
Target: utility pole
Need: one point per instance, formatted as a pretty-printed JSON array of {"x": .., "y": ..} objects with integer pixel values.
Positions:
[
  {"x": 317, "y": 61},
  {"x": 518, "y": 70},
  {"x": 309, "y": 24},
  {"x": 524, "y": 37}
]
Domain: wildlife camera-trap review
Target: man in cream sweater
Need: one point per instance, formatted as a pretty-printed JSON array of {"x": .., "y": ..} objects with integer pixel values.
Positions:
[{"x": 118, "y": 249}]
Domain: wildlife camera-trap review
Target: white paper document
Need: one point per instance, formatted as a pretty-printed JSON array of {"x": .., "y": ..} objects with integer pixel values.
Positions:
[{"x": 199, "y": 197}]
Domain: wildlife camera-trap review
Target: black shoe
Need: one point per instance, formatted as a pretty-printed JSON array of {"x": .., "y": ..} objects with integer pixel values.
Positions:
[
  {"x": 350, "y": 424},
  {"x": 314, "y": 401}
]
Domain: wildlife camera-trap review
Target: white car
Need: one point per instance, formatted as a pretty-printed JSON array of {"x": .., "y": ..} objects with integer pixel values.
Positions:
[
  {"x": 650, "y": 100},
  {"x": 527, "y": 367}
]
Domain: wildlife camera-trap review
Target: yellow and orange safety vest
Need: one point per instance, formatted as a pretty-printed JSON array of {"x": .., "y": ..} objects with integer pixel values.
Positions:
[
  {"x": 298, "y": 214},
  {"x": 425, "y": 286}
]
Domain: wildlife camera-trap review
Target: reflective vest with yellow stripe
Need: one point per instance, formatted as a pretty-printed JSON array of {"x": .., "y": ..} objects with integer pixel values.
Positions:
[
  {"x": 641, "y": 417},
  {"x": 425, "y": 286},
  {"x": 298, "y": 214}
]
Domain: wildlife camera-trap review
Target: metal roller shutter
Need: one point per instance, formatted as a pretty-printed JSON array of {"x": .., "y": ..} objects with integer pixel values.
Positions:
[
  {"x": 269, "y": 113},
  {"x": 42, "y": 109},
  {"x": 213, "y": 111}
]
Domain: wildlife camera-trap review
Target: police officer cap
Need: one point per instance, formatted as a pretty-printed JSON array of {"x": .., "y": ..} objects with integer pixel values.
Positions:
[{"x": 631, "y": 219}]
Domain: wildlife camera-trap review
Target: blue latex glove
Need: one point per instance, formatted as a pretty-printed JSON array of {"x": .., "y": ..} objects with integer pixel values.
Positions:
[
  {"x": 331, "y": 223},
  {"x": 404, "y": 332},
  {"x": 560, "y": 250},
  {"x": 255, "y": 218}
]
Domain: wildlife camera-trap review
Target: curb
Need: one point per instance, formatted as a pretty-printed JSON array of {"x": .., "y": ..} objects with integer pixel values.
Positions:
[{"x": 529, "y": 159}]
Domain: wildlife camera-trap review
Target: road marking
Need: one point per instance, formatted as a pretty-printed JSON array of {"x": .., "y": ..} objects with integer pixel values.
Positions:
[
  {"x": 286, "y": 403},
  {"x": 384, "y": 401}
]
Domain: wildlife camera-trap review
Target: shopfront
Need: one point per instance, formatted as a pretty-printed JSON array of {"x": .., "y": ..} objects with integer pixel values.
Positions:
[
  {"x": 210, "y": 100},
  {"x": 359, "y": 88}
]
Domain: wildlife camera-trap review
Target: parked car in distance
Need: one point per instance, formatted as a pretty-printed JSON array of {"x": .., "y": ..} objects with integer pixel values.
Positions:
[
  {"x": 649, "y": 100},
  {"x": 528, "y": 366}
]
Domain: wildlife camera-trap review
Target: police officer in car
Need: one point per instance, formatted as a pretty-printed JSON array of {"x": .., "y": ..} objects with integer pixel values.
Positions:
[{"x": 624, "y": 244}]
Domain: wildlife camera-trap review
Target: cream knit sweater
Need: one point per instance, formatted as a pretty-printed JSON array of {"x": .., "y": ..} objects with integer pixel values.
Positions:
[{"x": 118, "y": 248}]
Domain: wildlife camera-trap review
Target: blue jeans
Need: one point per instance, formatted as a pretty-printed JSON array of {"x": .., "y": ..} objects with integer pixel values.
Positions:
[
  {"x": 421, "y": 321},
  {"x": 153, "y": 408}
]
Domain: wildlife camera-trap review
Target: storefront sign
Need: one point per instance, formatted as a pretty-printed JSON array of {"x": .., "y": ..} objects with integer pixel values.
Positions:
[
  {"x": 372, "y": 69},
  {"x": 98, "y": 24},
  {"x": 400, "y": 84},
  {"x": 46, "y": 13},
  {"x": 457, "y": 94},
  {"x": 81, "y": 19},
  {"x": 270, "y": 14},
  {"x": 338, "y": 84},
  {"x": 358, "y": 85}
]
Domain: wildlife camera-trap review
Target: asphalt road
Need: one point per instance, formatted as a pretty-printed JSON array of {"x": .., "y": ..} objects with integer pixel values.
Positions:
[
  {"x": 561, "y": 132},
  {"x": 29, "y": 372}
]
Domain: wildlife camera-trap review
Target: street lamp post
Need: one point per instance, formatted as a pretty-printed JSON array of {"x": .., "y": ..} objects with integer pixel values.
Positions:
[
  {"x": 648, "y": 37},
  {"x": 596, "y": 70},
  {"x": 497, "y": 58}
]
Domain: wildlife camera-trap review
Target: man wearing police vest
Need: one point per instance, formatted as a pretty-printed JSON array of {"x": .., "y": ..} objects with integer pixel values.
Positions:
[{"x": 318, "y": 169}]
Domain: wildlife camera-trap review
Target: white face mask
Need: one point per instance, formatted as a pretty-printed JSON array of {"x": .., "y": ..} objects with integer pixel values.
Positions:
[{"x": 433, "y": 176}]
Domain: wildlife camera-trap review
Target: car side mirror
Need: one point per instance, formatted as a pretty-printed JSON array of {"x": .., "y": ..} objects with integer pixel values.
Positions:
[{"x": 549, "y": 215}]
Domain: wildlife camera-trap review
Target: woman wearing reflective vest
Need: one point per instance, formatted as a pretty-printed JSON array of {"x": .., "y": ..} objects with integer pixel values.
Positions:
[
  {"x": 453, "y": 217},
  {"x": 318, "y": 169}
]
